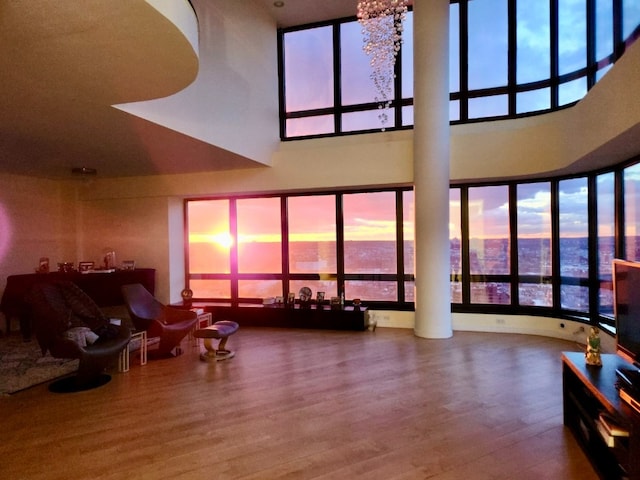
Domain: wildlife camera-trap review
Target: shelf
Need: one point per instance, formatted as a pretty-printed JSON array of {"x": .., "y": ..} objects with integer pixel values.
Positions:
[{"x": 589, "y": 393}]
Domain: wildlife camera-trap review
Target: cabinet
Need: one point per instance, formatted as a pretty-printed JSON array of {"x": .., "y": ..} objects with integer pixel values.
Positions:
[
  {"x": 589, "y": 392},
  {"x": 103, "y": 288},
  {"x": 321, "y": 317}
]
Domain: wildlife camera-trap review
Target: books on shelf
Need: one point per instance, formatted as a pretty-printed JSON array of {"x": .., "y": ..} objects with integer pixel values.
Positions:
[
  {"x": 610, "y": 429},
  {"x": 609, "y": 439},
  {"x": 612, "y": 426},
  {"x": 628, "y": 398}
]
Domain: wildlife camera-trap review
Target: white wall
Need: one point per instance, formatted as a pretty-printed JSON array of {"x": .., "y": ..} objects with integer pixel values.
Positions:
[
  {"x": 233, "y": 101},
  {"x": 135, "y": 228},
  {"x": 591, "y": 133},
  {"x": 522, "y": 324},
  {"x": 37, "y": 219}
]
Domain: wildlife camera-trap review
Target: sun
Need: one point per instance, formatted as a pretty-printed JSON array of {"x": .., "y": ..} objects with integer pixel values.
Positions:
[{"x": 222, "y": 239}]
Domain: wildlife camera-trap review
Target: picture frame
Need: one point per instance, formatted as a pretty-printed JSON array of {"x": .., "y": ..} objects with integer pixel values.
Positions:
[
  {"x": 43, "y": 265},
  {"x": 85, "y": 266},
  {"x": 128, "y": 264}
]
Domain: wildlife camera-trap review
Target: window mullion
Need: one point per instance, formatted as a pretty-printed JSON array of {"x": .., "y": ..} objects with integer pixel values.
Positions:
[{"x": 337, "y": 75}]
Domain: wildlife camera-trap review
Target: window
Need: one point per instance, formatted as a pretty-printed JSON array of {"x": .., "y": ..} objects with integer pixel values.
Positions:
[
  {"x": 534, "y": 244},
  {"x": 455, "y": 242},
  {"x": 247, "y": 249},
  {"x": 605, "y": 185},
  {"x": 408, "y": 238},
  {"x": 533, "y": 41},
  {"x": 632, "y": 212},
  {"x": 574, "y": 236},
  {"x": 259, "y": 247},
  {"x": 604, "y": 29},
  {"x": 487, "y": 37},
  {"x": 210, "y": 242},
  {"x": 312, "y": 234},
  {"x": 489, "y": 245},
  {"x": 520, "y": 247},
  {"x": 308, "y": 68},
  {"x": 259, "y": 235},
  {"x": 547, "y": 66},
  {"x": 370, "y": 245},
  {"x": 630, "y": 17},
  {"x": 572, "y": 36}
]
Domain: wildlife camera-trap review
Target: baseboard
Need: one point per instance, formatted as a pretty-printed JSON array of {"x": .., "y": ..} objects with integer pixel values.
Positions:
[{"x": 522, "y": 324}]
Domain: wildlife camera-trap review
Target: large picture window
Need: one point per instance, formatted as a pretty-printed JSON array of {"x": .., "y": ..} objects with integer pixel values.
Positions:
[
  {"x": 248, "y": 249},
  {"x": 534, "y": 247},
  {"x": 506, "y": 59}
]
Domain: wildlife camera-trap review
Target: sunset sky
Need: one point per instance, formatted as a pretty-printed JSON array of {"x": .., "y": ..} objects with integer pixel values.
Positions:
[{"x": 309, "y": 82}]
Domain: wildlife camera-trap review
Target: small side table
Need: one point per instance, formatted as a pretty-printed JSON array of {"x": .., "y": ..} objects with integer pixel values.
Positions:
[
  {"x": 124, "y": 359},
  {"x": 204, "y": 320}
]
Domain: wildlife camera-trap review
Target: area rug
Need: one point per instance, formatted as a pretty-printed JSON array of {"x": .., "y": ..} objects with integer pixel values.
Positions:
[{"x": 22, "y": 365}]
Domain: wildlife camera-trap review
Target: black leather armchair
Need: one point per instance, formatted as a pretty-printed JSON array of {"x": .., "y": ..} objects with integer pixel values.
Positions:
[
  {"x": 159, "y": 320},
  {"x": 68, "y": 324}
]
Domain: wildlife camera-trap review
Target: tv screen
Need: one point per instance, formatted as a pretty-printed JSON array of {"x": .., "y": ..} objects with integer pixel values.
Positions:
[{"x": 626, "y": 307}]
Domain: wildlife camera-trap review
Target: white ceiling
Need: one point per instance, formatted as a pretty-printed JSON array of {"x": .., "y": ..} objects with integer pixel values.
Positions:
[
  {"x": 63, "y": 67},
  {"x": 301, "y": 12}
]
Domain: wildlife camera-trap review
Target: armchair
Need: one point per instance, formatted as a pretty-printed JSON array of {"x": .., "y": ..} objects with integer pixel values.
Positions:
[
  {"x": 159, "y": 320},
  {"x": 68, "y": 324}
]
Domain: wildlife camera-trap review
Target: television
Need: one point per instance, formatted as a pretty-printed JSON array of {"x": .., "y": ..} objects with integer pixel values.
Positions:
[{"x": 626, "y": 308}]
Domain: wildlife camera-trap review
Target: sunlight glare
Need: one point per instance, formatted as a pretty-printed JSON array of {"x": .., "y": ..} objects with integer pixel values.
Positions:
[{"x": 222, "y": 239}]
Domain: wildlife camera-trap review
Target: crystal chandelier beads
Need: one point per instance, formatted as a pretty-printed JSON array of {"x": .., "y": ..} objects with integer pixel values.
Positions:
[{"x": 381, "y": 22}]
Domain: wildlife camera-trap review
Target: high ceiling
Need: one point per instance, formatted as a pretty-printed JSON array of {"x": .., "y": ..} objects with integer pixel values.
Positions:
[
  {"x": 64, "y": 66},
  {"x": 301, "y": 12}
]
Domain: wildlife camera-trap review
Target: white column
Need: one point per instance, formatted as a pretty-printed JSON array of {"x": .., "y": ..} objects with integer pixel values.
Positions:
[{"x": 431, "y": 168}]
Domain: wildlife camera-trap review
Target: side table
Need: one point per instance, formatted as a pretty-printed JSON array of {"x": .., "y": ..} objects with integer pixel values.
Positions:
[
  {"x": 204, "y": 320},
  {"x": 124, "y": 359}
]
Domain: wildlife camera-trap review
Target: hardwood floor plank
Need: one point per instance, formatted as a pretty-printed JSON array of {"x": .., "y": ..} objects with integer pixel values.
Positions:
[{"x": 310, "y": 404}]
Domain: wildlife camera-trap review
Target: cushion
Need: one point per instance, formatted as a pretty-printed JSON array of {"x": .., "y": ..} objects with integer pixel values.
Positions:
[{"x": 82, "y": 336}]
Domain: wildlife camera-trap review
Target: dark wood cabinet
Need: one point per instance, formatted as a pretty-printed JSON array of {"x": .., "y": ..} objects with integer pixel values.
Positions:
[
  {"x": 323, "y": 317},
  {"x": 588, "y": 392},
  {"x": 103, "y": 288}
]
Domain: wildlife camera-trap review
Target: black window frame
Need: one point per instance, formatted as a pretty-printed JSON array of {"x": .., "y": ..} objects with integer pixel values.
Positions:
[{"x": 511, "y": 90}]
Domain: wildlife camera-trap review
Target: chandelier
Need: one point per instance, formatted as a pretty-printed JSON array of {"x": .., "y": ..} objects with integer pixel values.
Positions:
[{"x": 381, "y": 22}]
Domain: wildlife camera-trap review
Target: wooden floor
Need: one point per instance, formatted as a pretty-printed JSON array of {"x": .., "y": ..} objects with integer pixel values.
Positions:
[{"x": 301, "y": 404}]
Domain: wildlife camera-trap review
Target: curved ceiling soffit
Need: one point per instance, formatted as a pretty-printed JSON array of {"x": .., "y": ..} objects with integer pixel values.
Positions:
[{"x": 183, "y": 16}]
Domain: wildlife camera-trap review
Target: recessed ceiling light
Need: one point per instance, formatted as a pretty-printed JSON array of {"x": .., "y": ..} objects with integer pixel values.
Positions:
[{"x": 278, "y": 4}]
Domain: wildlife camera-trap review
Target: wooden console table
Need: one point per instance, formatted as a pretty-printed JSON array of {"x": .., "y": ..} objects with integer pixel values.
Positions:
[
  {"x": 258, "y": 315},
  {"x": 103, "y": 288},
  {"x": 588, "y": 392}
]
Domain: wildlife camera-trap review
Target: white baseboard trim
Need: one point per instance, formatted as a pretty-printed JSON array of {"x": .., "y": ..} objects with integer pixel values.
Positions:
[{"x": 523, "y": 324}]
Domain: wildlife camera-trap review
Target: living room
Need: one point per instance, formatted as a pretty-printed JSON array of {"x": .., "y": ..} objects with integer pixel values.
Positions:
[{"x": 236, "y": 149}]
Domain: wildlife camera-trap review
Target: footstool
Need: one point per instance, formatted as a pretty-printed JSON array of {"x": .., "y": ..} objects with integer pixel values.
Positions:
[{"x": 220, "y": 330}]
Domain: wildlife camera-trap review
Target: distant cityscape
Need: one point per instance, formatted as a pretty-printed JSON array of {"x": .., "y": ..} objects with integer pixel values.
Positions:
[{"x": 487, "y": 257}]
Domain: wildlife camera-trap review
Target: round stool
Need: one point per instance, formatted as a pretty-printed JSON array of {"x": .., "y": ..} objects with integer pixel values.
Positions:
[{"x": 220, "y": 330}]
